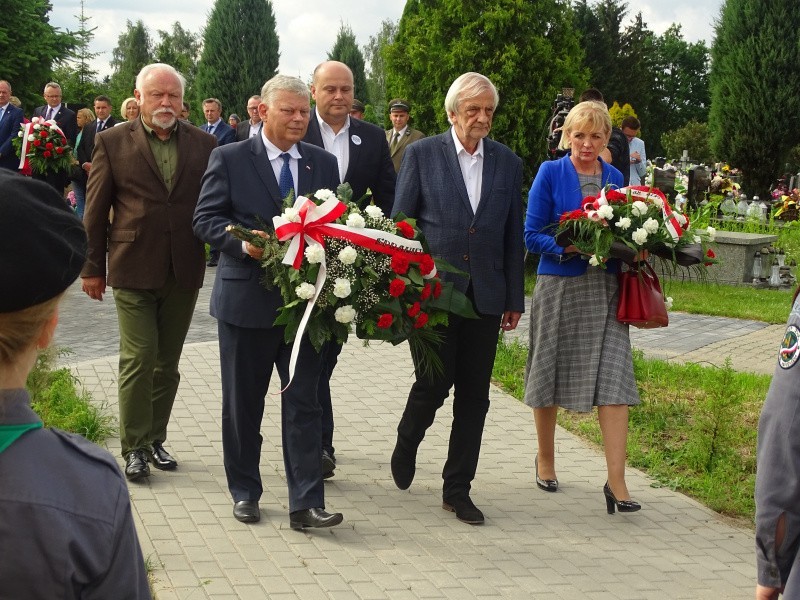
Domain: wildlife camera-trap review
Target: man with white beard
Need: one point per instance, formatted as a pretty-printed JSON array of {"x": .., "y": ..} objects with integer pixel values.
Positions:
[{"x": 148, "y": 171}]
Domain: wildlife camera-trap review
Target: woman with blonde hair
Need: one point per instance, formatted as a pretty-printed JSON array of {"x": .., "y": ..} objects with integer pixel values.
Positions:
[
  {"x": 66, "y": 526},
  {"x": 84, "y": 116},
  {"x": 579, "y": 355},
  {"x": 129, "y": 110}
]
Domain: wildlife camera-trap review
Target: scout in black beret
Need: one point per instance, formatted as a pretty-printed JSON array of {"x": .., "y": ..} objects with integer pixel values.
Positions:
[{"x": 42, "y": 243}]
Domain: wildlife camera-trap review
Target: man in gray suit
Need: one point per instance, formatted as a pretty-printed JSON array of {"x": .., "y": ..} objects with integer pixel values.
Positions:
[
  {"x": 246, "y": 183},
  {"x": 465, "y": 192}
]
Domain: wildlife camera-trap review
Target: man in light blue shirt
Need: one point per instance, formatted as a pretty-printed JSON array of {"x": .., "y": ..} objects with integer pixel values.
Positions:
[{"x": 630, "y": 127}]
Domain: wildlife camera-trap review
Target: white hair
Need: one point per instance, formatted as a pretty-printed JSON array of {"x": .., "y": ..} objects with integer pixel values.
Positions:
[
  {"x": 466, "y": 86},
  {"x": 147, "y": 69}
]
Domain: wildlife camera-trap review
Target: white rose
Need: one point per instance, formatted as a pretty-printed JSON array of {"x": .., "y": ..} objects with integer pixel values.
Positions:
[
  {"x": 347, "y": 256},
  {"x": 341, "y": 288},
  {"x": 37, "y": 127},
  {"x": 651, "y": 225},
  {"x": 640, "y": 236},
  {"x": 19, "y": 134},
  {"x": 374, "y": 211},
  {"x": 324, "y": 194},
  {"x": 697, "y": 239},
  {"x": 355, "y": 220},
  {"x": 291, "y": 214},
  {"x": 593, "y": 260},
  {"x": 31, "y": 137},
  {"x": 712, "y": 233},
  {"x": 668, "y": 302},
  {"x": 606, "y": 211},
  {"x": 315, "y": 253},
  {"x": 345, "y": 314},
  {"x": 624, "y": 223},
  {"x": 639, "y": 208},
  {"x": 305, "y": 291}
]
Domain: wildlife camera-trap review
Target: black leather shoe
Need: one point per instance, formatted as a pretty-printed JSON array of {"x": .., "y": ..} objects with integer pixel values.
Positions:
[
  {"x": 136, "y": 465},
  {"x": 212, "y": 263},
  {"x": 247, "y": 511},
  {"x": 623, "y": 506},
  {"x": 404, "y": 466},
  {"x": 314, "y": 517},
  {"x": 465, "y": 510},
  {"x": 161, "y": 458},
  {"x": 548, "y": 485},
  {"x": 328, "y": 465}
]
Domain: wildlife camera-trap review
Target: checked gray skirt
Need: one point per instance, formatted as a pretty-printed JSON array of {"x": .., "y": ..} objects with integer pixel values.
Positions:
[{"x": 579, "y": 355}]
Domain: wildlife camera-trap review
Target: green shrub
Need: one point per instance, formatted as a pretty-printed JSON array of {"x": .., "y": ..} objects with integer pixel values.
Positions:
[{"x": 692, "y": 137}]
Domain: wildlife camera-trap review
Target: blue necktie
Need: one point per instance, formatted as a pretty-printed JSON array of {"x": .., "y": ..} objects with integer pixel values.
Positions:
[{"x": 286, "y": 183}]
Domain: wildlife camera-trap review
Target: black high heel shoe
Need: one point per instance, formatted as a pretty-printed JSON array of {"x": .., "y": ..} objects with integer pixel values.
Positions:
[
  {"x": 548, "y": 485},
  {"x": 623, "y": 506}
]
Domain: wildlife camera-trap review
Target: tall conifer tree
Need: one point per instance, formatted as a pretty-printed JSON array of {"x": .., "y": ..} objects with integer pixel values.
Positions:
[
  {"x": 133, "y": 51},
  {"x": 755, "y": 88},
  {"x": 240, "y": 53},
  {"x": 346, "y": 50}
]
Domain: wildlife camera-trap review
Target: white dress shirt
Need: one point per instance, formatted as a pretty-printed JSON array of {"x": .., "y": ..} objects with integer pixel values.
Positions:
[
  {"x": 337, "y": 144},
  {"x": 471, "y": 170}
]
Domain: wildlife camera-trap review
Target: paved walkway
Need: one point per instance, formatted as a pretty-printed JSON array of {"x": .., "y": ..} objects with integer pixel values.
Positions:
[{"x": 401, "y": 544}]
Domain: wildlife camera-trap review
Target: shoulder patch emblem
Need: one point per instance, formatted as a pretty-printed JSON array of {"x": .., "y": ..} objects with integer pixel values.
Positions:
[{"x": 790, "y": 348}]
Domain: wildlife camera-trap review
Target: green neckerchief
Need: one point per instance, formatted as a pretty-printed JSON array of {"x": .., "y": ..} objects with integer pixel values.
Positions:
[{"x": 10, "y": 433}]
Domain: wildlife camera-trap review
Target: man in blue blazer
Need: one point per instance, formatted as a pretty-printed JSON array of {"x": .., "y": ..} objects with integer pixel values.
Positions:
[
  {"x": 362, "y": 154},
  {"x": 212, "y": 109},
  {"x": 10, "y": 118},
  {"x": 464, "y": 190},
  {"x": 241, "y": 186}
]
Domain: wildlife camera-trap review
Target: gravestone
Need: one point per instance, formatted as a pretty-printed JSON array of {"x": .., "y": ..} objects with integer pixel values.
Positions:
[
  {"x": 699, "y": 180},
  {"x": 664, "y": 180}
]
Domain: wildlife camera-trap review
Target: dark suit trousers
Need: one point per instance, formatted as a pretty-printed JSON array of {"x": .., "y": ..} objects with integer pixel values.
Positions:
[
  {"x": 467, "y": 352},
  {"x": 247, "y": 357},
  {"x": 56, "y": 179},
  {"x": 330, "y": 356}
]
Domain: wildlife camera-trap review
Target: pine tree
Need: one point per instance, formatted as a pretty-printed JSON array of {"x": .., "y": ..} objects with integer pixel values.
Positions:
[
  {"x": 346, "y": 50},
  {"x": 29, "y": 47},
  {"x": 181, "y": 49},
  {"x": 438, "y": 41},
  {"x": 133, "y": 51},
  {"x": 754, "y": 88},
  {"x": 374, "y": 55},
  {"x": 240, "y": 53},
  {"x": 77, "y": 78}
]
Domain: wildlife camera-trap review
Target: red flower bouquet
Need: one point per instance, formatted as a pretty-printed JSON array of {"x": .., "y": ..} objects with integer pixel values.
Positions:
[{"x": 44, "y": 145}]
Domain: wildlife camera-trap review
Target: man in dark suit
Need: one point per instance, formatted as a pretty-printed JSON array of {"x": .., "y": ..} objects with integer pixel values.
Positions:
[
  {"x": 212, "y": 109},
  {"x": 465, "y": 192},
  {"x": 10, "y": 119},
  {"x": 148, "y": 170},
  {"x": 363, "y": 157},
  {"x": 249, "y": 127},
  {"x": 246, "y": 183},
  {"x": 85, "y": 146},
  {"x": 401, "y": 134},
  {"x": 225, "y": 134},
  {"x": 66, "y": 120}
]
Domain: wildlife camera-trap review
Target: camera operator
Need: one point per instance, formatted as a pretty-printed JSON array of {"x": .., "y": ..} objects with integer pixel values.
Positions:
[
  {"x": 617, "y": 152},
  {"x": 561, "y": 108}
]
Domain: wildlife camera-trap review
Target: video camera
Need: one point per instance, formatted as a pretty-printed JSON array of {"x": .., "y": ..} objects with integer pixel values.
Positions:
[{"x": 561, "y": 107}]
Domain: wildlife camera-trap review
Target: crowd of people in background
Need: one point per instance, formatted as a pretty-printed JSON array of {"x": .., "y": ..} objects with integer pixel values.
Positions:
[{"x": 152, "y": 189}]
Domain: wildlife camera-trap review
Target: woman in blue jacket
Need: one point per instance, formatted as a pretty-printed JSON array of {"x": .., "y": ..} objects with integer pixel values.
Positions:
[{"x": 579, "y": 355}]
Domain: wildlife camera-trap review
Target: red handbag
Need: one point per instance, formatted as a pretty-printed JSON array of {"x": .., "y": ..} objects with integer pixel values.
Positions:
[{"x": 641, "y": 301}]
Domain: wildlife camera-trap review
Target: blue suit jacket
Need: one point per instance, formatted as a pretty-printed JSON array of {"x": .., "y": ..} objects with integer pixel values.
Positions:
[
  {"x": 239, "y": 187},
  {"x": 9, "y": 127},
  {"x": 370, "y": 165},
  {"x": 487, "y": 244},
  {"x": 224, "y": 133}
]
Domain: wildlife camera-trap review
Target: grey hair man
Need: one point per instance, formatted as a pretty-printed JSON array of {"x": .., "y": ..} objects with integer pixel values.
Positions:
[{"x": 250, "y": 127}]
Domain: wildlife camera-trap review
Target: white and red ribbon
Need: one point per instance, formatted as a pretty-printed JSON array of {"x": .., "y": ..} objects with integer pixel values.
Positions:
[
  {"x": 638, "y": 192},
  {"x": 317, "y": 222}
]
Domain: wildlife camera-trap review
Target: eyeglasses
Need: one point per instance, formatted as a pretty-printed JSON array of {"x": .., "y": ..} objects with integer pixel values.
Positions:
[{"x": 251, "y": 108}]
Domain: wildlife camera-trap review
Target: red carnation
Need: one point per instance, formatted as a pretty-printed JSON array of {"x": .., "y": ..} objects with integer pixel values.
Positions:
[
  {"x": 37, "y": 142},
  {"x": 437, "y": 289},
  {"x": 397, "y": 287},
  {"x": 421, "y": 321},
  {"x": 43, "y": 133},
  {"x": 385, "y": 321},
  {"x": 400, "y": 263},
  {"x": 414, "y": 309},
  {"x": 406, "y": 229},
  {"x": 572, "y": 215},
  {"x": 710, "y": 254},
  {"x": 59, "y": 150},
  {"x": 47, "y": 154},
  {"x": 426, "y": 291},
  {"x": 426, "y": 264},
  {"x": 49, "y": 145}
]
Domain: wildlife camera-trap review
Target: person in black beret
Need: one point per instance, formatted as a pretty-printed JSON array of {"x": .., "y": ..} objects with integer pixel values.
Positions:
[{"x": 66, "y": 529}]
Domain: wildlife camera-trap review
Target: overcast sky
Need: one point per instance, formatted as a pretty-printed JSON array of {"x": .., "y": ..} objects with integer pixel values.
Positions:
[{"x": 307, "y": 34}]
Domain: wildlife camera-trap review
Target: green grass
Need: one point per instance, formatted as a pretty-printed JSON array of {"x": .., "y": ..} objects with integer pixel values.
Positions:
[
  {"x": 695, "y": 430},
  {"x": 56, "y": 399}
]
